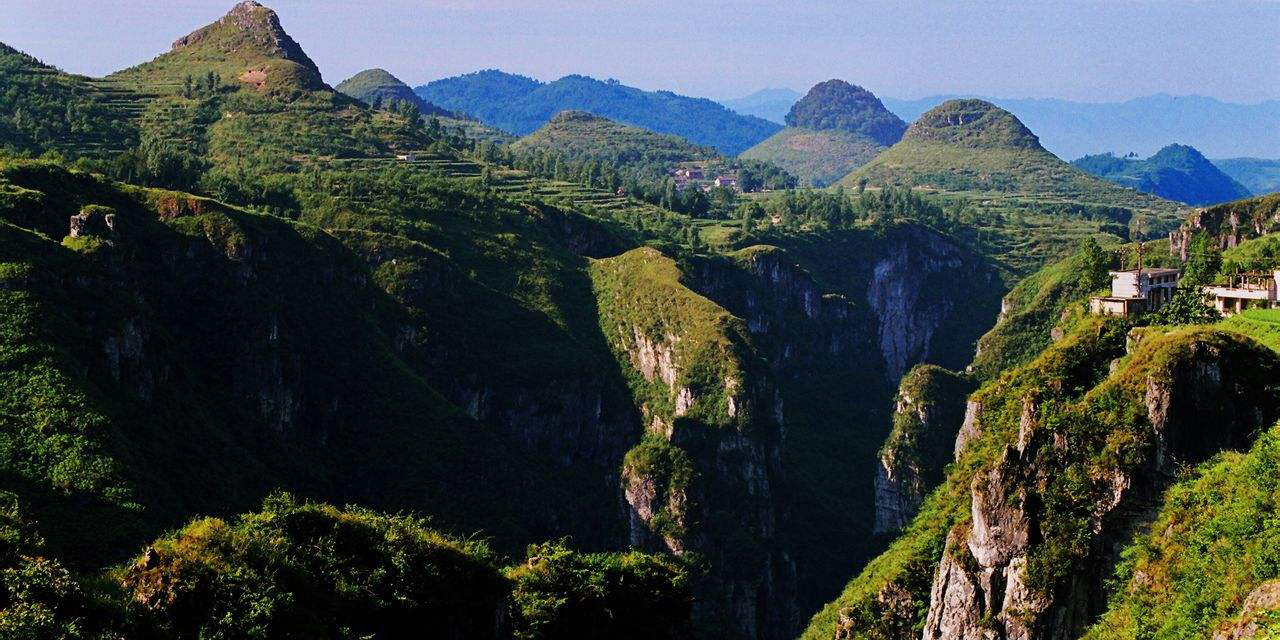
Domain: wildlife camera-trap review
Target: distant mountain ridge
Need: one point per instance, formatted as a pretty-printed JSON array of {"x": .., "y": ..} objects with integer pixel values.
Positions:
[
  {"x": 1258, "y": 175},
  {"x": 1177, "y": 172},
  {"x": 770, "y": 104},
  {"x": 520, "y": 105},
  {"x": 836, "y": 128}
]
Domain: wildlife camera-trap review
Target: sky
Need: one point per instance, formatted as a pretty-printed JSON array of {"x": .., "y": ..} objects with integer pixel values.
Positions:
[{"x": 1086, "y": 50}]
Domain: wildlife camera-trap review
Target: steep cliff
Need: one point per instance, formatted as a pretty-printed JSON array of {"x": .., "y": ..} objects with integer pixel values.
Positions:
[
  {"x": 927, "y": 417},
  {"x": 1065, "y": 460},
  {"x": 706, "y": 476},
  {"x": 1229, "y": 224}
]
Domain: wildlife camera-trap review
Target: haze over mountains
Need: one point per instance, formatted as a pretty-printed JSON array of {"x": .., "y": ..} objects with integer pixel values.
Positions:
[
  {"x": 1177, "y": 172},
  {"x": 1142, "y": 125}
]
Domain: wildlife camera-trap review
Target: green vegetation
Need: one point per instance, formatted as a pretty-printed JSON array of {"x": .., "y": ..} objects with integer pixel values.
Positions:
[
  {"x": 833, "y": 130},
  {"x": 300, "y": 570},
  {"x": 1262, "y": 325},
  {"x": 838, "y": 105},
  {"x": 1020, "y": 201},
  {"x": 558, "y": 593},
  {"x": 521, "y": 105},
  {"x": 598, "y": 152},
  {"x": 1052, "y": 297},
  {"x": 1104, "y": 418},
  {"x": 378, "y": 89},
  {"x": 890, "y": 596},
  {"x": 43, "y": 109},
  {"x": 816, "y": 158},
  {"x": 1176, "y": 172},
  {"x": 1215, "y": 540},
  {"x": 578, "y": 135},
  {"x": 1239, "y": 222}
]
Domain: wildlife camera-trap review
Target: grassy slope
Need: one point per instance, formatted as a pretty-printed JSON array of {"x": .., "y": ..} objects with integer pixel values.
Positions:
[
  {"x": 577, "y": 134},
  {"x": 1022, "y": 201},
  {"x": 1215, "y": 540},
  {"x": 43, "y": 107},
  {"x": 815, "y": 157},
  {"x": 1100, "y": 412}
]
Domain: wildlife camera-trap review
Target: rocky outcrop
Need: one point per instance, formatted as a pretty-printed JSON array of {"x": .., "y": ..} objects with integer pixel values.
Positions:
[
  {"x": 927, "y": 416},
  {"x": 1228, "y": 224},
  {"x": 912, "y": 292},
  {"x": 1018, "y": 569},
  {"x": 1263, "y": 600},
  {"x": 706, "y": 476}
]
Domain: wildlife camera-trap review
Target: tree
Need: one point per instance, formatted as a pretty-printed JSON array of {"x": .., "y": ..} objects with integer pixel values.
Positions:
[
  {"x": 1204, "y": 261},
  {"x": 1093, "y": 264},
  {"x": 1190, "y": 305}
]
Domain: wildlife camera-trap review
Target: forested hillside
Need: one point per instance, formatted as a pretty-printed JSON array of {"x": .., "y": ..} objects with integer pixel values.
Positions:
[
  {"x": 1176, "y": 172},
  {"x": 280, "y": 361},
  {"x": 836, "y": 128}
]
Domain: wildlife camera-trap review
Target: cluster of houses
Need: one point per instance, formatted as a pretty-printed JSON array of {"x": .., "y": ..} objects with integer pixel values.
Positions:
[
  {"x": 1139, "y": 290},
  {"x": 685, "y": 177}
]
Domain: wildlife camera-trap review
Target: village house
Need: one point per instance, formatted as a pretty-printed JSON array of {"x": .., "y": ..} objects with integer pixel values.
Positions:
[
  {"x": 406, "y": 157},
  {"x": 730, "y": 182},
  {"x": 1136, "y": 291},
  {"x": 687, "y": 173},
  {"x": 1244, "y": 291}
]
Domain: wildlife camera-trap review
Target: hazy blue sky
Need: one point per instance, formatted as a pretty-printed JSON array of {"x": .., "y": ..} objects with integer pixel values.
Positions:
[{"x": 1081, "y": 50}]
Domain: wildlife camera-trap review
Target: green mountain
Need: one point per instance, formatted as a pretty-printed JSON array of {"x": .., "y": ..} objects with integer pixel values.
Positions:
[
  {"x": 521, "y": 105},
  {"x": 240, "y": 98},
  {"x": 42, "y": 107},
  {"x": 378, "y": 87},
  {"x": 1256, "y": 174},
  {"x": 1029, "y": 205},
  {"x": 836, "y": 128},
  {"x": 1176, "y": 172},
  {"x": 581, "y": 135},
  {"x": 517, "y": 358}
]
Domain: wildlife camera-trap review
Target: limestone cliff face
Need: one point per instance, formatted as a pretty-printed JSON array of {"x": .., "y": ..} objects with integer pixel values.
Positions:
[
  {"x": 928, "y": 415},
  {"x": 919, "y": 281},
  {"x": 705, "y": 477},
  {"x": 1229, "y": 224},
  {"x": 1010, "y": 571}
]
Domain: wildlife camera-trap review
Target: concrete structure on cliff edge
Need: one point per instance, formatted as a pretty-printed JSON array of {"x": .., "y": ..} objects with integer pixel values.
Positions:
[
  {"x": 1136, "y": 291},
  {"x": 1245, "y": 291}
]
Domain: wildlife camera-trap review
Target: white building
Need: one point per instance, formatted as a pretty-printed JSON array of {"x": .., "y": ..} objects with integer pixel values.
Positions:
[
  {"x": 1136, "y": 291},
  {"x": 1245, "y": 291}
]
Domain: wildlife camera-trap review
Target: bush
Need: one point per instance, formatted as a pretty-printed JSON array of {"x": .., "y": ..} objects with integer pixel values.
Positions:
[{"x": 559, "y": 594}]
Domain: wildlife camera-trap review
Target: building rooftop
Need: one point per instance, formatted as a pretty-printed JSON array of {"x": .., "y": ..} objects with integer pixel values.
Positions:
[{"x": 1150, "y": 272}]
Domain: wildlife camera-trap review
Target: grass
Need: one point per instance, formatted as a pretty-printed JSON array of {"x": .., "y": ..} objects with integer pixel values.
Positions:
[
  {"x": 816, "y": 158},
  {"x": 1214, "y": 541},
  {"x": 1102, "y": 415}
]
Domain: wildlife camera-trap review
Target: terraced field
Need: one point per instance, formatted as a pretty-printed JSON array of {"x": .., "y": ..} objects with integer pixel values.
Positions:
[{"x": 512, "y": 183}]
